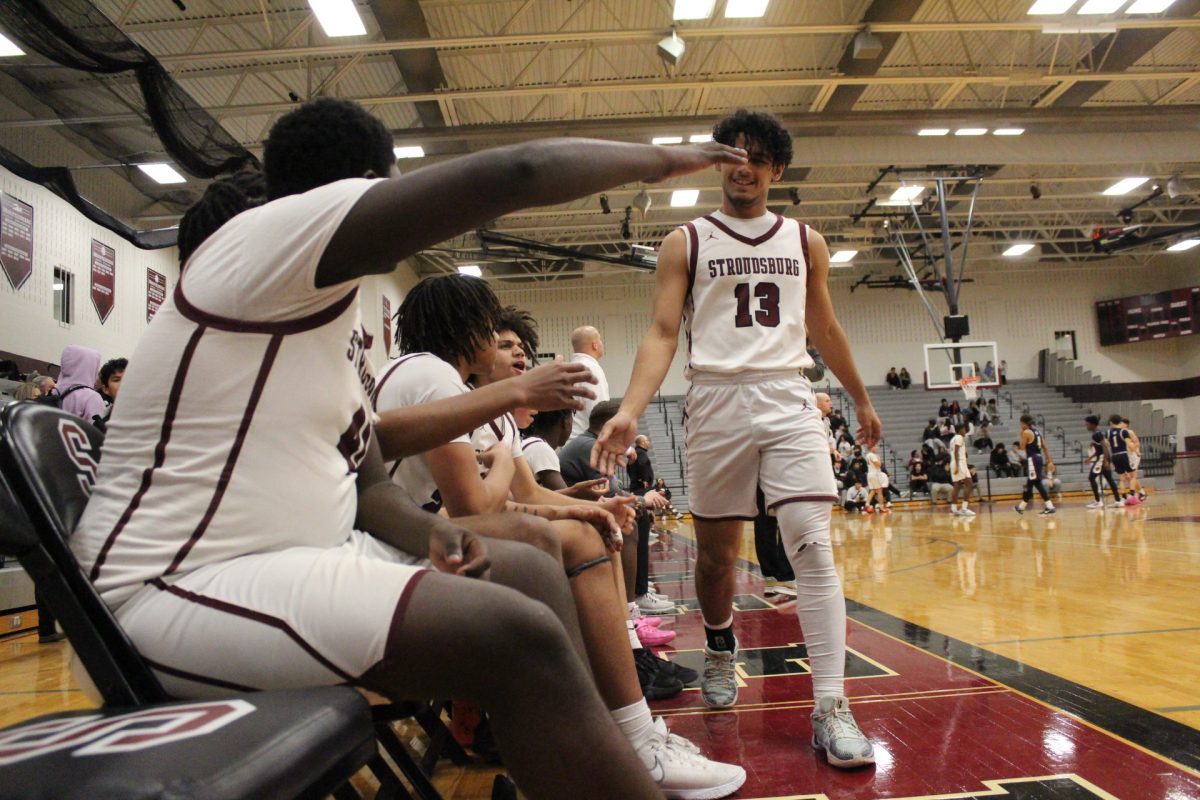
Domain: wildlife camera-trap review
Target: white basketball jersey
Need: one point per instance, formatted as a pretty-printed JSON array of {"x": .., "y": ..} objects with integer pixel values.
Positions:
[
  {"x": 245, "y": 411},
  {"x": 539, "y": 455},
  {"x": 746, "y": 294}
]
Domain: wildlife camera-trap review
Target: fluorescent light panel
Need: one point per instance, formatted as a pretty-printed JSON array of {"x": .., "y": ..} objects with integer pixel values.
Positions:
[
  {"x": 1051, "y": 7},
  {"x": 338, "y": 17},
  {"x": 700, "y": 138},
  {"x": 8, "y": 47},
  {"x": 58, "y": 287},
  {"x": 1101, "y": 6},
  {"x": 667, "y": 140},
  {"x": 933, "y": 131},
  {"x": 1186, "y": 244},
  {"x": 842, "y": 256},
  {"x": 746, "y": 8},
  {"x": 1018, "y": 249},
  {"x": 1149, "y": 6},
  {"x": 970, "y": 131},
  {"x": 693, "y": 9},
  {"x": 409, "y": 151},
  {"x": 1126, "y": 186},
  {"x": 1008, "y": 131},
  {"x": 682, "y": 198},
  {"x": 906, "y": 193},
  {"x": 471, "y": 269},
  {"x": 162, "y": 173}
]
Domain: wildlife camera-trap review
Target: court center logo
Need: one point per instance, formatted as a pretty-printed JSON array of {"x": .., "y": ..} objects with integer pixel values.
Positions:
[
  {"x": 96, "y": 734},
  {"x": 79, "y": 450}
]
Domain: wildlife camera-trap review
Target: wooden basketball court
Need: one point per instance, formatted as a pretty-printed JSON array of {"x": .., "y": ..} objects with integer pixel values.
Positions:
[{"x": 1004, "y": 656}]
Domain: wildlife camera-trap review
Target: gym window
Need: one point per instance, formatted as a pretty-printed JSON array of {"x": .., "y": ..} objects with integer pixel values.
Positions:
[{"x": 63, "y": 286}]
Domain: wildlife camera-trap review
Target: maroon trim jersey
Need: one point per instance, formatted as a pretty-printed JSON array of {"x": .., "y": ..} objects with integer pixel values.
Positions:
[{"x": 747, "y": 287}]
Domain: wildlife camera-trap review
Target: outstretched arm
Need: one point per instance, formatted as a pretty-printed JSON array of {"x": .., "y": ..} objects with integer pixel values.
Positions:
[
  {"x": 653, "y": 357},
  {"x": 827, "y": 334},
  {"x": 401, "y": 216}
]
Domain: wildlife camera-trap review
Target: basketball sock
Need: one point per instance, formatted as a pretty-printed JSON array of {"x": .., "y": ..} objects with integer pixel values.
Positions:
[
  {"x": 721, "y": 638},
  {"x": 1021, "y": 505},
  {"x": 635, "y": 722},
  {"x": 820, "y": 603}
]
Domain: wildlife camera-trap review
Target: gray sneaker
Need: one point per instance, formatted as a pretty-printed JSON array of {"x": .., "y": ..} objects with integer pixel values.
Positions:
[
  {"x": 836, "y": 732},
  {"x": 718, "y": 684}
]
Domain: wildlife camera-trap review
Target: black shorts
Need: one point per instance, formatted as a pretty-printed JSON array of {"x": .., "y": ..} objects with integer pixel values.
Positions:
[
  {"x": 1033, "y": 468},
  {"x": 1121, "y": 463}
]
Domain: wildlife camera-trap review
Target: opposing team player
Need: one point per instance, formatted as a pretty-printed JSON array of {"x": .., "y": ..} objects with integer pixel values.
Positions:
[
  {"x": 1100, "y": 461},
  {"x": 746, "y": 282},
  {"x": 1126, "y": 458},
  {"x": 960, "y": 473},
  {"x": 1037, "y": 458},
  {"x": 243, "y": 528}
]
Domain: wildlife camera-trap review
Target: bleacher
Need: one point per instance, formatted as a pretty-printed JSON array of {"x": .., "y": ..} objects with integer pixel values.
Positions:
[{"x": 663, "y": 424}]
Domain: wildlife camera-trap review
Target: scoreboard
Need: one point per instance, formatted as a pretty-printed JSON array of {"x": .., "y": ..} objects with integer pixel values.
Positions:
[{"x": 1149, "y": 316}]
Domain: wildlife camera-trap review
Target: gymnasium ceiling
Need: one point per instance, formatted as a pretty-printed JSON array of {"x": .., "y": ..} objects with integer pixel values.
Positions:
[{"x": 1099, "y": 98}]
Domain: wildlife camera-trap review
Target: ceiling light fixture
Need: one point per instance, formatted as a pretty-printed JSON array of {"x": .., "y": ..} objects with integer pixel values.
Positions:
[
  {"x": 162, "y": 173},
  {"x": 970, "y": 131},
  {"x": 409, "y": 151},
  {"x": 670, "y": 48},
  {"x": 693, "y": 9},
  {"x": 933, "y": 131},
  {"x": 684, "y": 198},
  {"x": 1018, "y": 249},
  {"x": 1008, "y": 131},
  {"x": 641, "y": 201},
  {"x": 867, "y": 45},
  {"x": 1149, "y": 6},
  {"x": 906, "y": 193},
  {"x": 338, "y": 17},
  {"x": 1186, "y": 244},
  {"x": 700, "y": 138},
  {"x": 667, "y": 140},
  {"x": 842, "y": 256},
  {"x": 1126, "y": 186},
  {"x": 1101, "y": 6},
  {"x": 472, "y": 270},
  {"x": 8, "y": 47},
  {"x": 743, "y": 9},
  {"x": 1051, "y": 7}
]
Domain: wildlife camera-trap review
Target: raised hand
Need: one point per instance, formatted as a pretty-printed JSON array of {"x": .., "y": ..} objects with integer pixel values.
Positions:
[
  {"x": 555, "y": 385},
  {"x": 685, "y": 160},
  {"x": 616, "y": 437}
]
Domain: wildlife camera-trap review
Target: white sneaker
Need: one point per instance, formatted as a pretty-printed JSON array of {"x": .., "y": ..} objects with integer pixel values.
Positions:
[
  {"x": 836, "y": 732},
  {"x": 956, "y": 511},
  {"x": 682, "y": 773},
  {"x": 1095, "y": 504},
  {"x": 651, "y": 603},
  {"x": 966, "y": 512},
  {"x": 1114, "y": 504}
]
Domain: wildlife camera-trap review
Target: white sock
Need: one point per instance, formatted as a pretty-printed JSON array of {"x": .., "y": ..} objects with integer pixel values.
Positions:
[
  {"x": 635, "y": 722},
  {"x": 1021, "y": 505},
  {"x": 634, "y": 641},
  {"x": 634, "y": 611}
]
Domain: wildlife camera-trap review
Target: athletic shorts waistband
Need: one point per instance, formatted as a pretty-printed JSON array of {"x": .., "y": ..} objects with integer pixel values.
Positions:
[{"x": 745, "y": 376}]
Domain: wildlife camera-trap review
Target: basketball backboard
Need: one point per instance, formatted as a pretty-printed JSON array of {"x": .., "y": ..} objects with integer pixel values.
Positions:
[{"x": 948, "y": 363}]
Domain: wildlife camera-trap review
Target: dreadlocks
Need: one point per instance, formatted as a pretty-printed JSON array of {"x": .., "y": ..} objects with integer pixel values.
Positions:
[
  {"x": 523, "y": 324},
  {"x": 451, "y": 316},
  {"x": 223, "y": 200}
]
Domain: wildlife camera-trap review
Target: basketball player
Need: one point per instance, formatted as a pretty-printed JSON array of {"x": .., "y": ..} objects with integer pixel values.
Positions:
[
  {"x": 960, "y": 472},
  {"x": 746, "y": 282},
  {"x": 1126, "y": 458},
  {"x": 876, "y": 484},
  {"x": 1100, "y": 459},
  {"x": 1037, "y": 458},
  {"x": 242, "y": 527}
]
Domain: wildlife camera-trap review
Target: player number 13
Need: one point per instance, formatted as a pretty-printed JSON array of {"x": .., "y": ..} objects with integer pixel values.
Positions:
[{"x": 767, "y": 314}]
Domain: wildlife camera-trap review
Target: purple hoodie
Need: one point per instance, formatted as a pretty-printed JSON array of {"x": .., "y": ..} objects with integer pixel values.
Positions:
[{"x": 80, "y": 367}]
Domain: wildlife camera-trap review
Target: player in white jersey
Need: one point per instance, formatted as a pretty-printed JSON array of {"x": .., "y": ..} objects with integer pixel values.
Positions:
[
  {"x": 745, "y": 283},
  {"x": 439, "y": 355},
  {"x": 242, "y": 527},
  {"x": 960, "y": 473},
  {"x": 877, "y": 483}
]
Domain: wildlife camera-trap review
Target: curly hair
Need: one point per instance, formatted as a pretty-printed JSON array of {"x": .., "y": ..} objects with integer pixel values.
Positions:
[
  {"x": 112, "y": 367},
  {"x": 523, "y": 324},
  {"x": 223, "y": 200},
  {"x": 761, "y": 129},
  {"x": 451, "y": 316},
  {"x": 324, "y": 141}
]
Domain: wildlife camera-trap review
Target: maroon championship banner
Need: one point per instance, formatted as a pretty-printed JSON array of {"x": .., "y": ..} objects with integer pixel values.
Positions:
[
  {"x": 387, "y": 326},
  {"x": 156, "y": 292},
  {"x": 104, "y": 279},
  {"x": 16, "y": 239}
]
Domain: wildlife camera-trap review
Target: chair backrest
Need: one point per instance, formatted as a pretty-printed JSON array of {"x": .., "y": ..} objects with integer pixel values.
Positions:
[{"x": 48, "y": 459}]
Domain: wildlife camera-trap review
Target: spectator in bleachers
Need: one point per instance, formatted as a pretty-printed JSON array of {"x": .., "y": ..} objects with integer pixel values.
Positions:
[
  {"x": 983, "y": 442},
  {"x": 667, "y": 511},
  {"x": 856, "y": 498},
  {"x": 845, "y": 445},
  {"x": 1052, "y": 482},
  {"x": 80, "y": 369},
  {"x": 836, "y": 421},
  {"x": 946, "y": 430},
  {"x": 905, "y": 378},
  {"x": 44, "y": 383},
  {"x": 989, "y": 373},
  {"x": 992, "y": 411},
  {"x": 918, "y": 479},
  {"x": 931, "y": 431},
  {"x": 110, "y": 378},
  {"x": 943, "y": 408},
  {"x": 1016, "y": 457},
  {"x": 940, "y": 487},
  {"x": 893, "y": 378},
  {"x": 1002, "y": 372},
  {"x": 9, "y": 370},
  {"x": 27, "y": 391},
  {"x": 1000, "y": 463}
]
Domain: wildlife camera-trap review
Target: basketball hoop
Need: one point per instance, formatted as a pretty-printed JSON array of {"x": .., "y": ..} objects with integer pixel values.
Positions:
[{"x": 970, "y": 386}]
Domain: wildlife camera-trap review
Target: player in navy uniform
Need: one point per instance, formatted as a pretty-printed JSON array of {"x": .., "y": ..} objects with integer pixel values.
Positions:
[
  {"x": 1100, "y": 460},
  {"x": 1037, "y": 458},
  {"x": 1126, "y": 453}
]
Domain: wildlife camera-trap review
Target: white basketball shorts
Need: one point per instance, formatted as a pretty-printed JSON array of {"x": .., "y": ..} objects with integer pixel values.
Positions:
[
  {"x": 300, "y": 617},
  {"x": 754, "y": 429},
  {"x": 959, "y": 475},
  {"x": 876, "y": 480}
]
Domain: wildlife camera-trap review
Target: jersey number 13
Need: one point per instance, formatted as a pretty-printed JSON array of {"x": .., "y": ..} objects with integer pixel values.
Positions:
[{"x": 767, "y": 314}]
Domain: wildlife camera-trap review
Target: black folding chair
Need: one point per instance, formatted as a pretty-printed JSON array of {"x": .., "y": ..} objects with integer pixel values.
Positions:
[{"x": 268, "y": 744}]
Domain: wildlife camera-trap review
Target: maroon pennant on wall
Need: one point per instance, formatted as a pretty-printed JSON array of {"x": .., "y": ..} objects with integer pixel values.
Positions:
[
  {"x": 387, "y": 326},
  {"x": 104, "y": 279},
  {"x": 156, "y": 292},
  {"x": 16, "y": 239}
]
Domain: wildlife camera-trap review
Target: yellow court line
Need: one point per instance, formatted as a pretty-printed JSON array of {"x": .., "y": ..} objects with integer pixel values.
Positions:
[{"x": 1040, "y": 702}]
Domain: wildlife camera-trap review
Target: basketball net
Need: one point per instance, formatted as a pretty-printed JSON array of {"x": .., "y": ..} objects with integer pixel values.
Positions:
[{"x": 970, "y": 386}]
